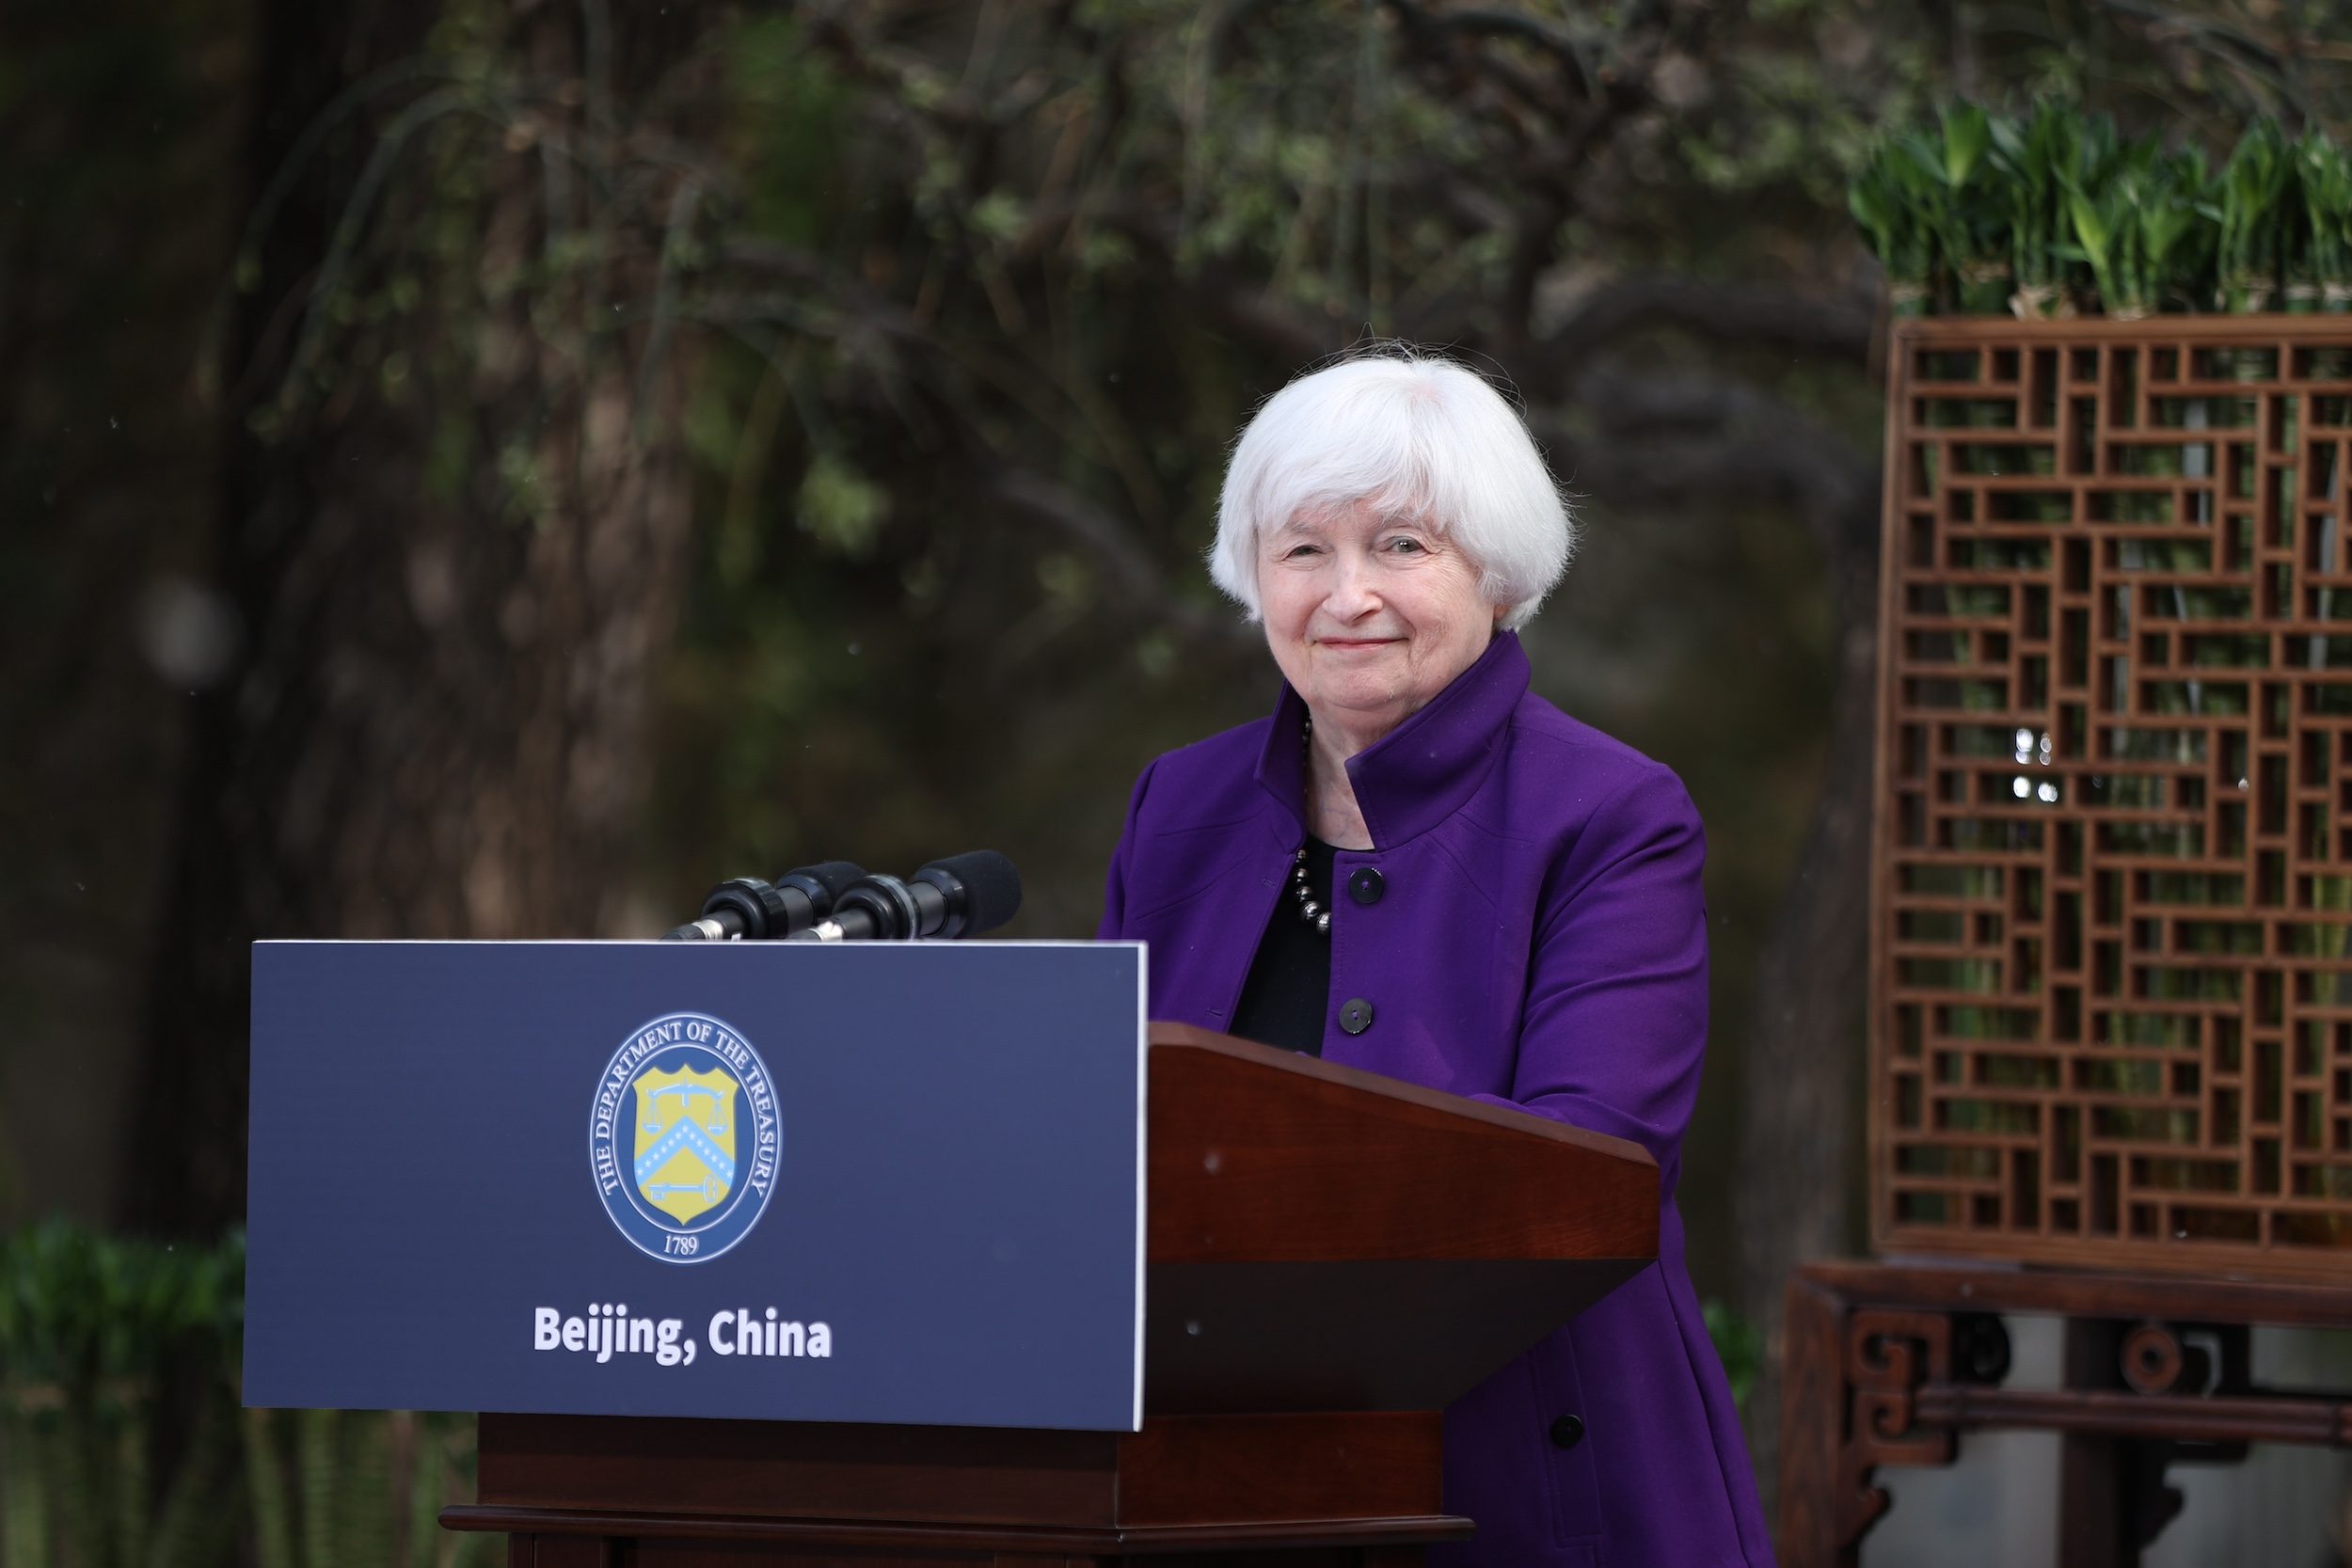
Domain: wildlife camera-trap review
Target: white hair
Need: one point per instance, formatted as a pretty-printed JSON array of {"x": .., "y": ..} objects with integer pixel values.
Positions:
[{"x": 1411, "y": 433}]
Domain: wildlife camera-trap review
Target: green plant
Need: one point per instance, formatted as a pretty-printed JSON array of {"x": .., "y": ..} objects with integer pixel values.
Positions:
[
  {"x": 2176, "y": 238},
  {"x": 2084, "y": 214},
  {"x": 333, "y": 1487},
  {"x": 2324, "y": 174},
  {"x": 1971, "y": 225},
  {"x": 2136, "y": 223},
  {"x": 113, "y": 1356},
  {"x": 1887, "y": 199},
  {"x": 2105, "y": 214},
  {"x": 2035, "y": 161},
  {"x": 120, "y": 1438},
  {"x": 2251, "y": 206}
]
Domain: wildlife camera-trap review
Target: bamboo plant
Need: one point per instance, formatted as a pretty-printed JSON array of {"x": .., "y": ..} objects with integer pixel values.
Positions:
[
  {"x": 2251, "y": 203},
  {"x": 2137, "y": 226},
  {"x": 2037, "y": 160},
  {"x": 2323, "y": 172},
  {"x": 2054, "y": 212},
  {"x": 1886, "y": 200}
]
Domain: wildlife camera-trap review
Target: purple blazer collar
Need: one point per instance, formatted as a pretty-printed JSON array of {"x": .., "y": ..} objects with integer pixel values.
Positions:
[{"x": 1423, "y": 770}]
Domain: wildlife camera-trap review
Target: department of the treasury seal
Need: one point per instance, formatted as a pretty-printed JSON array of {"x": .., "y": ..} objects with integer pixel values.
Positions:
[{"x": 682, "y": 1137}]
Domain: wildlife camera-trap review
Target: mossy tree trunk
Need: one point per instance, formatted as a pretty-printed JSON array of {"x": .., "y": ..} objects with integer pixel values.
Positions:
[{"x": 455, "y": 528}]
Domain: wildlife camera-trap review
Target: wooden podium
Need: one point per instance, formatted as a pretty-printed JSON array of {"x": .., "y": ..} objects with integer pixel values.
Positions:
[{"x": 1331, "y": 1258}]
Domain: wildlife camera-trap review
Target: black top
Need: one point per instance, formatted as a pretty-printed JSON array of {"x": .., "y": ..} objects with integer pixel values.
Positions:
[{"x": 1289, "y": 990}]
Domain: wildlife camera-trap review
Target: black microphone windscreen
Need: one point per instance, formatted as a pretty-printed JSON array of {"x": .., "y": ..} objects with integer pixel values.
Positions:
[
  {"x": 832, "y": 876},
  {"x": 991, "y": 888}
]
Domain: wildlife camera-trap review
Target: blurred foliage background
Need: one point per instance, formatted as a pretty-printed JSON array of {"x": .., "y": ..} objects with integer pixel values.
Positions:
[
  {"x": 122, "y": 1443},
  {"x": 494, "y": 467}
]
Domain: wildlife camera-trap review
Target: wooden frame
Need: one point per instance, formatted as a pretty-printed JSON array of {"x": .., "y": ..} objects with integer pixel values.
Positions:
[{"x": 2110, "y": 1009}]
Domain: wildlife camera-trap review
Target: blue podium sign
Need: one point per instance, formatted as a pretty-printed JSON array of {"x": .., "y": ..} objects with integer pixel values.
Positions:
[{"x": 888, "y": 1182}]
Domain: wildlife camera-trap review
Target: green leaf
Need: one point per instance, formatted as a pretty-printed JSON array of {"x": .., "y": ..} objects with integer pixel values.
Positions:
[
  {"x": 1967, "y": 133},
  {"x": 840, "y": 506},
  {"x": 2090, "y": 226}
]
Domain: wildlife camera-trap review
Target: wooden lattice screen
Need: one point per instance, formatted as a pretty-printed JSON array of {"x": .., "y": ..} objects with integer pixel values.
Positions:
[{"x": 2112, "y": 1008}]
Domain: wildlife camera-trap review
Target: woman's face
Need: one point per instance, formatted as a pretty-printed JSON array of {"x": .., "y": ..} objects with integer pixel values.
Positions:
[{"x": 1369, "y": 616}]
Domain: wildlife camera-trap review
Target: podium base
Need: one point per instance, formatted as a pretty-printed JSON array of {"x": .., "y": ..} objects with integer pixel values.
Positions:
[
  {"x": 1354, "y": 1490},
  {"x": 542, "y": 1537}
]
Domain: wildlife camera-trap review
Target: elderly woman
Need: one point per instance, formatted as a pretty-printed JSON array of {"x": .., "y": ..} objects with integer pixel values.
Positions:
[{"x": 1418, "y": 866}]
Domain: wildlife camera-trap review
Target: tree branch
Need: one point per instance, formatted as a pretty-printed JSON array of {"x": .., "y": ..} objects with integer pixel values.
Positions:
[
  {"x": 1101, "y": 535},
  {"x": 1835, "y": 326},
  {"x": 1671, "y": 438},
  {"x": 1426, "y": 26},
  {"x": 1234, "y": 302}
]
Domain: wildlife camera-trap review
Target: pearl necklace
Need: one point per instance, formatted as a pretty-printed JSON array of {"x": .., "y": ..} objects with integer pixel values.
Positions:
[
  {"x": 1309, "y": 910},
  {"x": 1312, "y": 912}
]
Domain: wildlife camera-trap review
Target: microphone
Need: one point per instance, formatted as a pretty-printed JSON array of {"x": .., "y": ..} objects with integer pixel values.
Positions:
[
  {"x": 960, "y": 896},
  {"x": 748, "y": 909}
]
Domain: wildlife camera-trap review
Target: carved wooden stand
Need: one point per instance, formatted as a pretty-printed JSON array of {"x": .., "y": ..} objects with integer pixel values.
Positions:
[{"x": 1888, "y": 1364}]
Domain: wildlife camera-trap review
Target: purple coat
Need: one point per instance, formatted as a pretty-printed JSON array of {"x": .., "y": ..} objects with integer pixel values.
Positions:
[{"x": 1535, "y": 937}]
